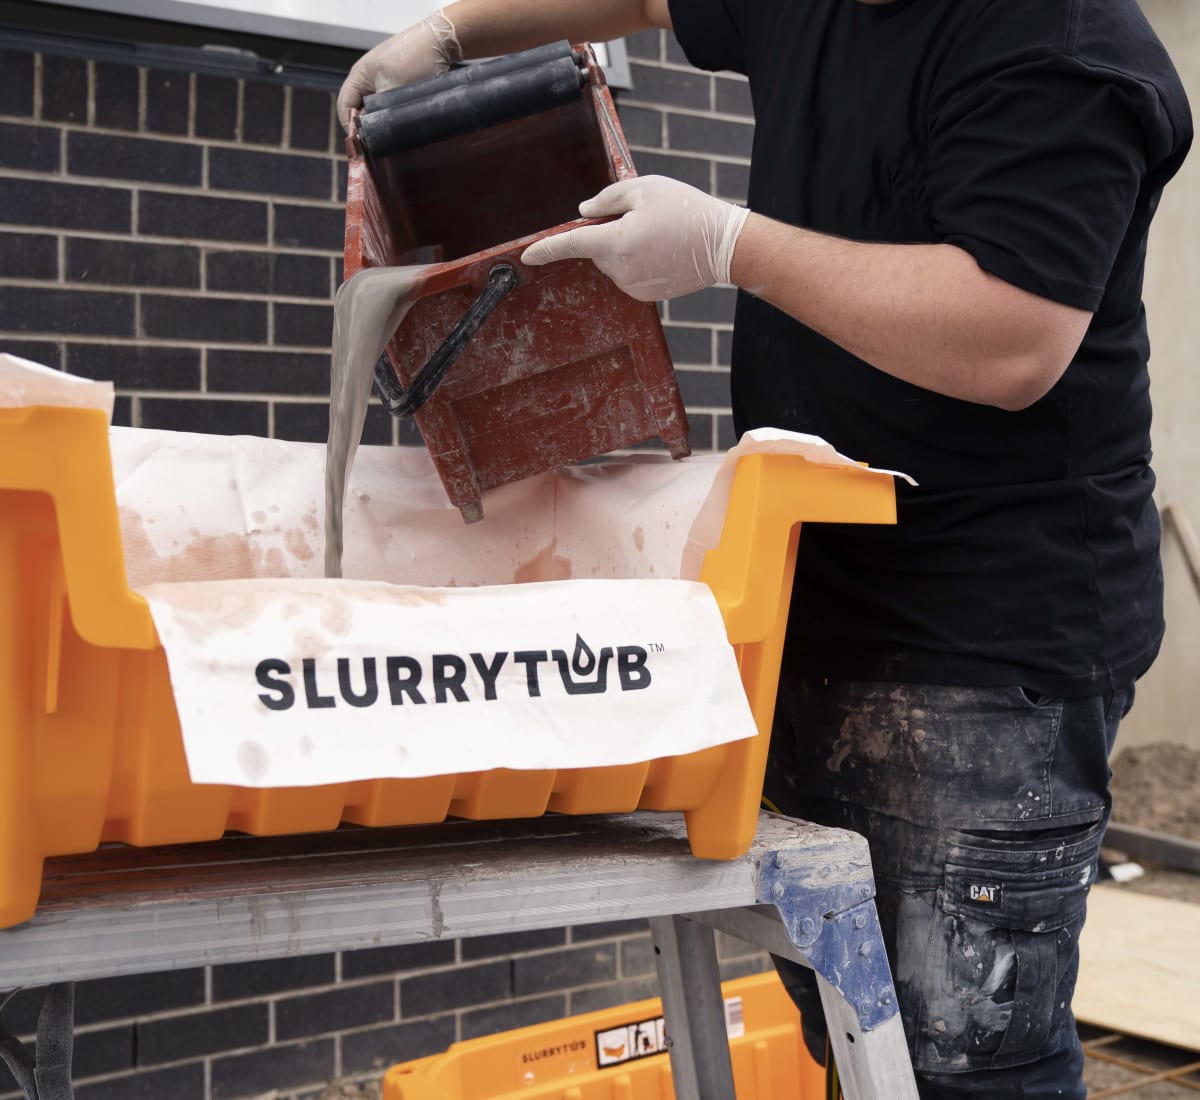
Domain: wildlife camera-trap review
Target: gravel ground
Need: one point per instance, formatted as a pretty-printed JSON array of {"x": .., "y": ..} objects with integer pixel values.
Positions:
[{"x": 1157, "y": 787}]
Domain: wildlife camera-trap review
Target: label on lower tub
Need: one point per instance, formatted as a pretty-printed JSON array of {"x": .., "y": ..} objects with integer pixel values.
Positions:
[
  {"x": 308, "y": 682},
  {"x": 645, "y": 1038}
]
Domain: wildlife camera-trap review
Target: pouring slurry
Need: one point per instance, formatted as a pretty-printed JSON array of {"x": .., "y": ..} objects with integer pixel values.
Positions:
[{"x": 366, "y": 311}]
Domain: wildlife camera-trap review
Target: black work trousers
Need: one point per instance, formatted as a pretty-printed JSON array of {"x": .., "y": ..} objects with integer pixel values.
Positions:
[{"x": 984, "y": 809}]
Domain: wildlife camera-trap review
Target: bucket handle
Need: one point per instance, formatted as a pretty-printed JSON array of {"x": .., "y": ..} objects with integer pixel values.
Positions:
[{"x": 401, "y": 402}]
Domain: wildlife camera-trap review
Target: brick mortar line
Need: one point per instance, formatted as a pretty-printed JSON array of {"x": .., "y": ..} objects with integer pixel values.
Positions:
[
  {"x": 38, "y": 72},
  {"x": 190, "y": 293},
  {"x": 205, "y": 190},
  {"x": 159, "y": 342},
  {"x": 180, "y": 242},
  {"x": 285, "y": 123},
  {"x": 239, "y": 111},
  {"x": 337, "y": 158},
  {"x": 195, "y": 1059},
  {"x": 271, "y": 999},
  {"x": 317, "y": 400},
  {"x": 69, "y": 127},
  {"x": 132, "y": 343},
  {"x": 89, "y": 70},
  {"x": 678, "y": 67},
  {"x": 690, "y": 112},
  {"x": 692, "y": 154},
  {"x": 225, "y": 397},
  {"x": 143, "y": 105},
  {"x": 335, "y": 1034},
  {"x": 166, "y": 343},
  {"x": 209, "y": 294},
  {"x": 191, "y": 189},
  {"x": 201, "y": 190},
  {"x": 396, "y": 1016}
]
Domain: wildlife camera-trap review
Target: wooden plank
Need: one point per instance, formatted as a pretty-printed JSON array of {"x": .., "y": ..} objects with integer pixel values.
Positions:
[
  {"x": 1154, "y": 847},
  {"x": 1175, "y": 519},
  {"x": 1140, "y": 966}
]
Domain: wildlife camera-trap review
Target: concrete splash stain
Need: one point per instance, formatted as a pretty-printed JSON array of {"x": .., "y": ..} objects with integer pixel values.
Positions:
[
  {"x": 297, "y": 545},
  {"x": 252, "y": 758},
  {"x": 545, "y": 565}
]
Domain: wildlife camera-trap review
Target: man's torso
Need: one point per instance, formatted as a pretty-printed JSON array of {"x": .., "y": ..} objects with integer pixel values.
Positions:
[{"x": 1029, "y": 551}]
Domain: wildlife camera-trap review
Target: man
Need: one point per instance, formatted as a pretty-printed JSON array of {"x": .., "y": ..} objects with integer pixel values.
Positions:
[{"x": 940, "y": 272}]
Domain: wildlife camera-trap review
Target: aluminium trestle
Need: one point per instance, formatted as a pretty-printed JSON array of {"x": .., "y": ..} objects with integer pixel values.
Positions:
[{"x": 801, "y": 891}]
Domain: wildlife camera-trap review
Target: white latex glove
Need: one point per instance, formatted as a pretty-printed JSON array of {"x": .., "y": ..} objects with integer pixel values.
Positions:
[
  {"x": 671, "y": 239},
  {"x": 426, "y": 49}
]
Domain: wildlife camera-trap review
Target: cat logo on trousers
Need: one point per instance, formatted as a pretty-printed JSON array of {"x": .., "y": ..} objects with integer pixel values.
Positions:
[{"x": 981, "y": 892}]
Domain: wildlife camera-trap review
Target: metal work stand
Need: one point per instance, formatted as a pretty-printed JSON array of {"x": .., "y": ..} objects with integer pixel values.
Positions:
[{"x": 802, "y": 891}]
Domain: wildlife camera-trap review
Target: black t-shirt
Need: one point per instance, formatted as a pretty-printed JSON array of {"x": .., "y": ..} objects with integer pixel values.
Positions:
[{"x": 1036, "y": 135}]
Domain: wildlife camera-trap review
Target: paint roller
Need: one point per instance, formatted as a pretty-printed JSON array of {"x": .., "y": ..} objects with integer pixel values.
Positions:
[{"x": 470, "y": 97}]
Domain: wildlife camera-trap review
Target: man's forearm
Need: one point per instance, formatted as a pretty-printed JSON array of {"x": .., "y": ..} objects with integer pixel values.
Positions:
[
  {"x": 487, "y": 28},
  {"x": 927, "y": 314}
]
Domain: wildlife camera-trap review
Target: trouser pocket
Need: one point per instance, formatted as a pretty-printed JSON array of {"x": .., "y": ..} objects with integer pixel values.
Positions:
[{"x": 1003, "y": 950}]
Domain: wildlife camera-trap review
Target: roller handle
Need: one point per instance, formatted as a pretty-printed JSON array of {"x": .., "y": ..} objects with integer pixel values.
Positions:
[{"x": 403, "y": 403}]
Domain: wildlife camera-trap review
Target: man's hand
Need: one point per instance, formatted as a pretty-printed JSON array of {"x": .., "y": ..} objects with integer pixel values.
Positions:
[
  {"x": 669, "y": 239},
  {"x": 426, "y": 49}
]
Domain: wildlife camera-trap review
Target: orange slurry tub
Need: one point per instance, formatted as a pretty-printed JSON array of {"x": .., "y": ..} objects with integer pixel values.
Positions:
[
  {"x": 617, "y": 1054},
  {"x": 90, "y": 746}
]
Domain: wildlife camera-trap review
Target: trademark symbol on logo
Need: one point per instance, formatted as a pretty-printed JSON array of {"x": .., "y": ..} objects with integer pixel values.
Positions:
[{"x": 656, "y": 647}]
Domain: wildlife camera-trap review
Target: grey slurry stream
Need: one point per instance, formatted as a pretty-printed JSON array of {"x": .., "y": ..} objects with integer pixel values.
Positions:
[{"x": 366, "y": 312}]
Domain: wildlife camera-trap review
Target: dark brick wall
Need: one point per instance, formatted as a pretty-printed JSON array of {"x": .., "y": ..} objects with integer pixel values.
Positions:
[
  {"x": 696, "y": 127},
  {"x": 180, "y": 233},
  {"x": 284, "y": 1028},
  {"x": 156, "y": 226}
]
